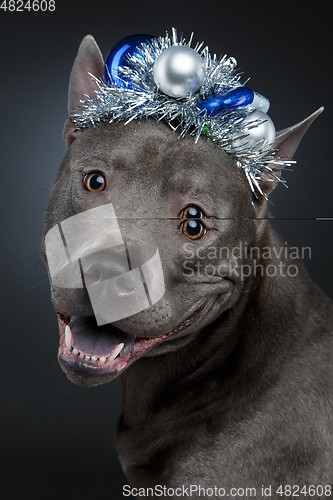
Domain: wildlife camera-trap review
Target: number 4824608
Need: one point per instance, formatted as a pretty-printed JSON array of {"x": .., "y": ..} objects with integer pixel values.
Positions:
[{"x": 34, "y": 5}]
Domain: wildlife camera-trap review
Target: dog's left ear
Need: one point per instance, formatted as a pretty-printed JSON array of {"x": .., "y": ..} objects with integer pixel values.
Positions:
[
  {"x": 88, "y": 60},
  {"x": 286, "y": 143}
]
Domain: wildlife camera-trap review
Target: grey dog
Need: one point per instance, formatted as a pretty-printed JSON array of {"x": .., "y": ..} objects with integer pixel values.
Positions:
[{"x": 227, "y": 378}]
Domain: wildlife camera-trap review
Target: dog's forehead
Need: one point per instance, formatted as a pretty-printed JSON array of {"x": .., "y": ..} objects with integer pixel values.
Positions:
[{"x": 150, "y": 152}]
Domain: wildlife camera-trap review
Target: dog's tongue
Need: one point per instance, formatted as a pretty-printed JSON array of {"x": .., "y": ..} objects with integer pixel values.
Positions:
[{"x": 96, "y": 340}]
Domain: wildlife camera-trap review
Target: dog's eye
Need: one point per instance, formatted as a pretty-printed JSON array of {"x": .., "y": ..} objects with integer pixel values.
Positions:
[
  {"x": 94, "y": 181},
  {"x": 192, "y": 227},
  {"x": 192, "y": 213}
]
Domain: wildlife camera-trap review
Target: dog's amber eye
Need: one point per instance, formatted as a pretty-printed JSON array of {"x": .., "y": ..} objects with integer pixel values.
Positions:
[
  {"x": 94, "y": 181},
  {"x": 192, "y": 227}
]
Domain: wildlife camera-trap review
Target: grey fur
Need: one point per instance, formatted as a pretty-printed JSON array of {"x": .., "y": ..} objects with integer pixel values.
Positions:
[{"x": 243, "y": 395}]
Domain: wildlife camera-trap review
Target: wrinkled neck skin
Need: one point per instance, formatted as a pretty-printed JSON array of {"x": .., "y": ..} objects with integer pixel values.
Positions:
[{"x": 182, "y": 400}]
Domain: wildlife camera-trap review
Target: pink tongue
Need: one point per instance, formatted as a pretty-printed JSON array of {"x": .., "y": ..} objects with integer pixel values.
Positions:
[
  {"x": 100, "y": 345},
  {"x": 91, "y": 339}
]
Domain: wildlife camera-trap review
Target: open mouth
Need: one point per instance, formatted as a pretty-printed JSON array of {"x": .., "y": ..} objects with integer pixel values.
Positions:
[{"x": 89, "y": 349}]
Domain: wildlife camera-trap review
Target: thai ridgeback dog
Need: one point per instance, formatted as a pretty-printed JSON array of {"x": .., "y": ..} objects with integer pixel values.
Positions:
[{"x": 227, "y": 366}]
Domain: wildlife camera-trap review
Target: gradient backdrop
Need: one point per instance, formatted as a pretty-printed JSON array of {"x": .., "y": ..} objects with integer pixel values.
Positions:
[{"x": 56, "y": 438}]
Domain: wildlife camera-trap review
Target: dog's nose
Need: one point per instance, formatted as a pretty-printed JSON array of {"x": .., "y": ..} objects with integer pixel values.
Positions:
[
  {"x": 123, "y": 280},
  {"x": 128, "y": 283},
  {"x": 103, "y": 265}
]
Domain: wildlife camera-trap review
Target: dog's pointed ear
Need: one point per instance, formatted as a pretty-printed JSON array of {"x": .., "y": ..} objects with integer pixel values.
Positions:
[
  {"x": 88, "y": 60},
  {"x": 286, "y": 143}
]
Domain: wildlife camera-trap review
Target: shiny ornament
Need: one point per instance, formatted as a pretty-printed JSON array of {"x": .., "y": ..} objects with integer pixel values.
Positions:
[
  {"x": 118, "y": 56},
  {"x": 239, "y": 97},
  {"x": 260, "y": 102},
  {"x": 246, "y": 131},
  {"x": 257, "y": 131},
  {"x": 179, "y": 71}
]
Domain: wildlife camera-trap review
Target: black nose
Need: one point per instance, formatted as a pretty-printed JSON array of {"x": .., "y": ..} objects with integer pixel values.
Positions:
[
  {"x": 103, "y": 265},
  {"x": 117, "y": 262}
]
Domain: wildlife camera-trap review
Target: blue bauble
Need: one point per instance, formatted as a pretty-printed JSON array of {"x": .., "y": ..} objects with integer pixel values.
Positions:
[
  {"x": 117, "y": 57},
  {"x": 232, "y": 100}
]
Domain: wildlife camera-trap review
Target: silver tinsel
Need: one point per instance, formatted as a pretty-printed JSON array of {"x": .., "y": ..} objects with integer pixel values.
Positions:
[{"x": 139, "y": 97}]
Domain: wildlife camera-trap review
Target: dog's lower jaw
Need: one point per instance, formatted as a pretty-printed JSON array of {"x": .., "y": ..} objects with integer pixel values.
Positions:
[{"x": 82, "y": 370}]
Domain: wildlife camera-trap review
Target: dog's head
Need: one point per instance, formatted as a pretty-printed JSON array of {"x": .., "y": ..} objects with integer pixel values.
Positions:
[{"x": 137, "y": 222}]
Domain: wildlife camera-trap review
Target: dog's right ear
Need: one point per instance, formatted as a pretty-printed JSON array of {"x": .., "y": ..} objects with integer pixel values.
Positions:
[{"x": 88, "y": 60}]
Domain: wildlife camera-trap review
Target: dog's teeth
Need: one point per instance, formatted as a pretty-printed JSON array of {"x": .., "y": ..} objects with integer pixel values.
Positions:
[
  {"x": 85, "y": 357},
  {"x": 116, "y": 352},
  {"x": 68, "y": 337}
]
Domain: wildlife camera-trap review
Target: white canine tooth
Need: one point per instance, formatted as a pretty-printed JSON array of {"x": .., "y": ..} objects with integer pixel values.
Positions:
[
  {"x": 81, "y": 355},
  {"x": 87, "y": 358},
  {"x": 102, "y": 360},
  {"x": 94, "y": 359},
  {"x": 116, "y": 352},
  {"x": 75, "y": 351},
  {"x": 68, "y": 337}
]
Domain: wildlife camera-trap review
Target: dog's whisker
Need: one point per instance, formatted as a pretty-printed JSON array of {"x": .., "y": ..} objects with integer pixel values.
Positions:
[
  {"x": 45, "y": 280},
  {"x": 34, "y": 267},
  {"x": 27, "y": 258},
  {"x": 41, "y": 190},
  {"x": 45, "y": 307}
]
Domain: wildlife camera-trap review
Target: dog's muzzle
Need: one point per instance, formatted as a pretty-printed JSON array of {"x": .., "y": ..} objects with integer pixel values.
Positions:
[{"x": 87, "y": 251}]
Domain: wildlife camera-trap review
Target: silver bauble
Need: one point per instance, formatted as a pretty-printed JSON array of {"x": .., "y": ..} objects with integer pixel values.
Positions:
[
  {"x": 258, "y": 130},
  {"x": 179, "y": 71}
]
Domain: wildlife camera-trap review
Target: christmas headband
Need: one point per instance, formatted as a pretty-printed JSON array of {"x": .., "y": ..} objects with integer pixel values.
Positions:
[{"x": 192, "y": 91}]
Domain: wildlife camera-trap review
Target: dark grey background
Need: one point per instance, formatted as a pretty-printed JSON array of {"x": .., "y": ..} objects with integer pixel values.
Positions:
[{"x": 56, "y": 438}]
